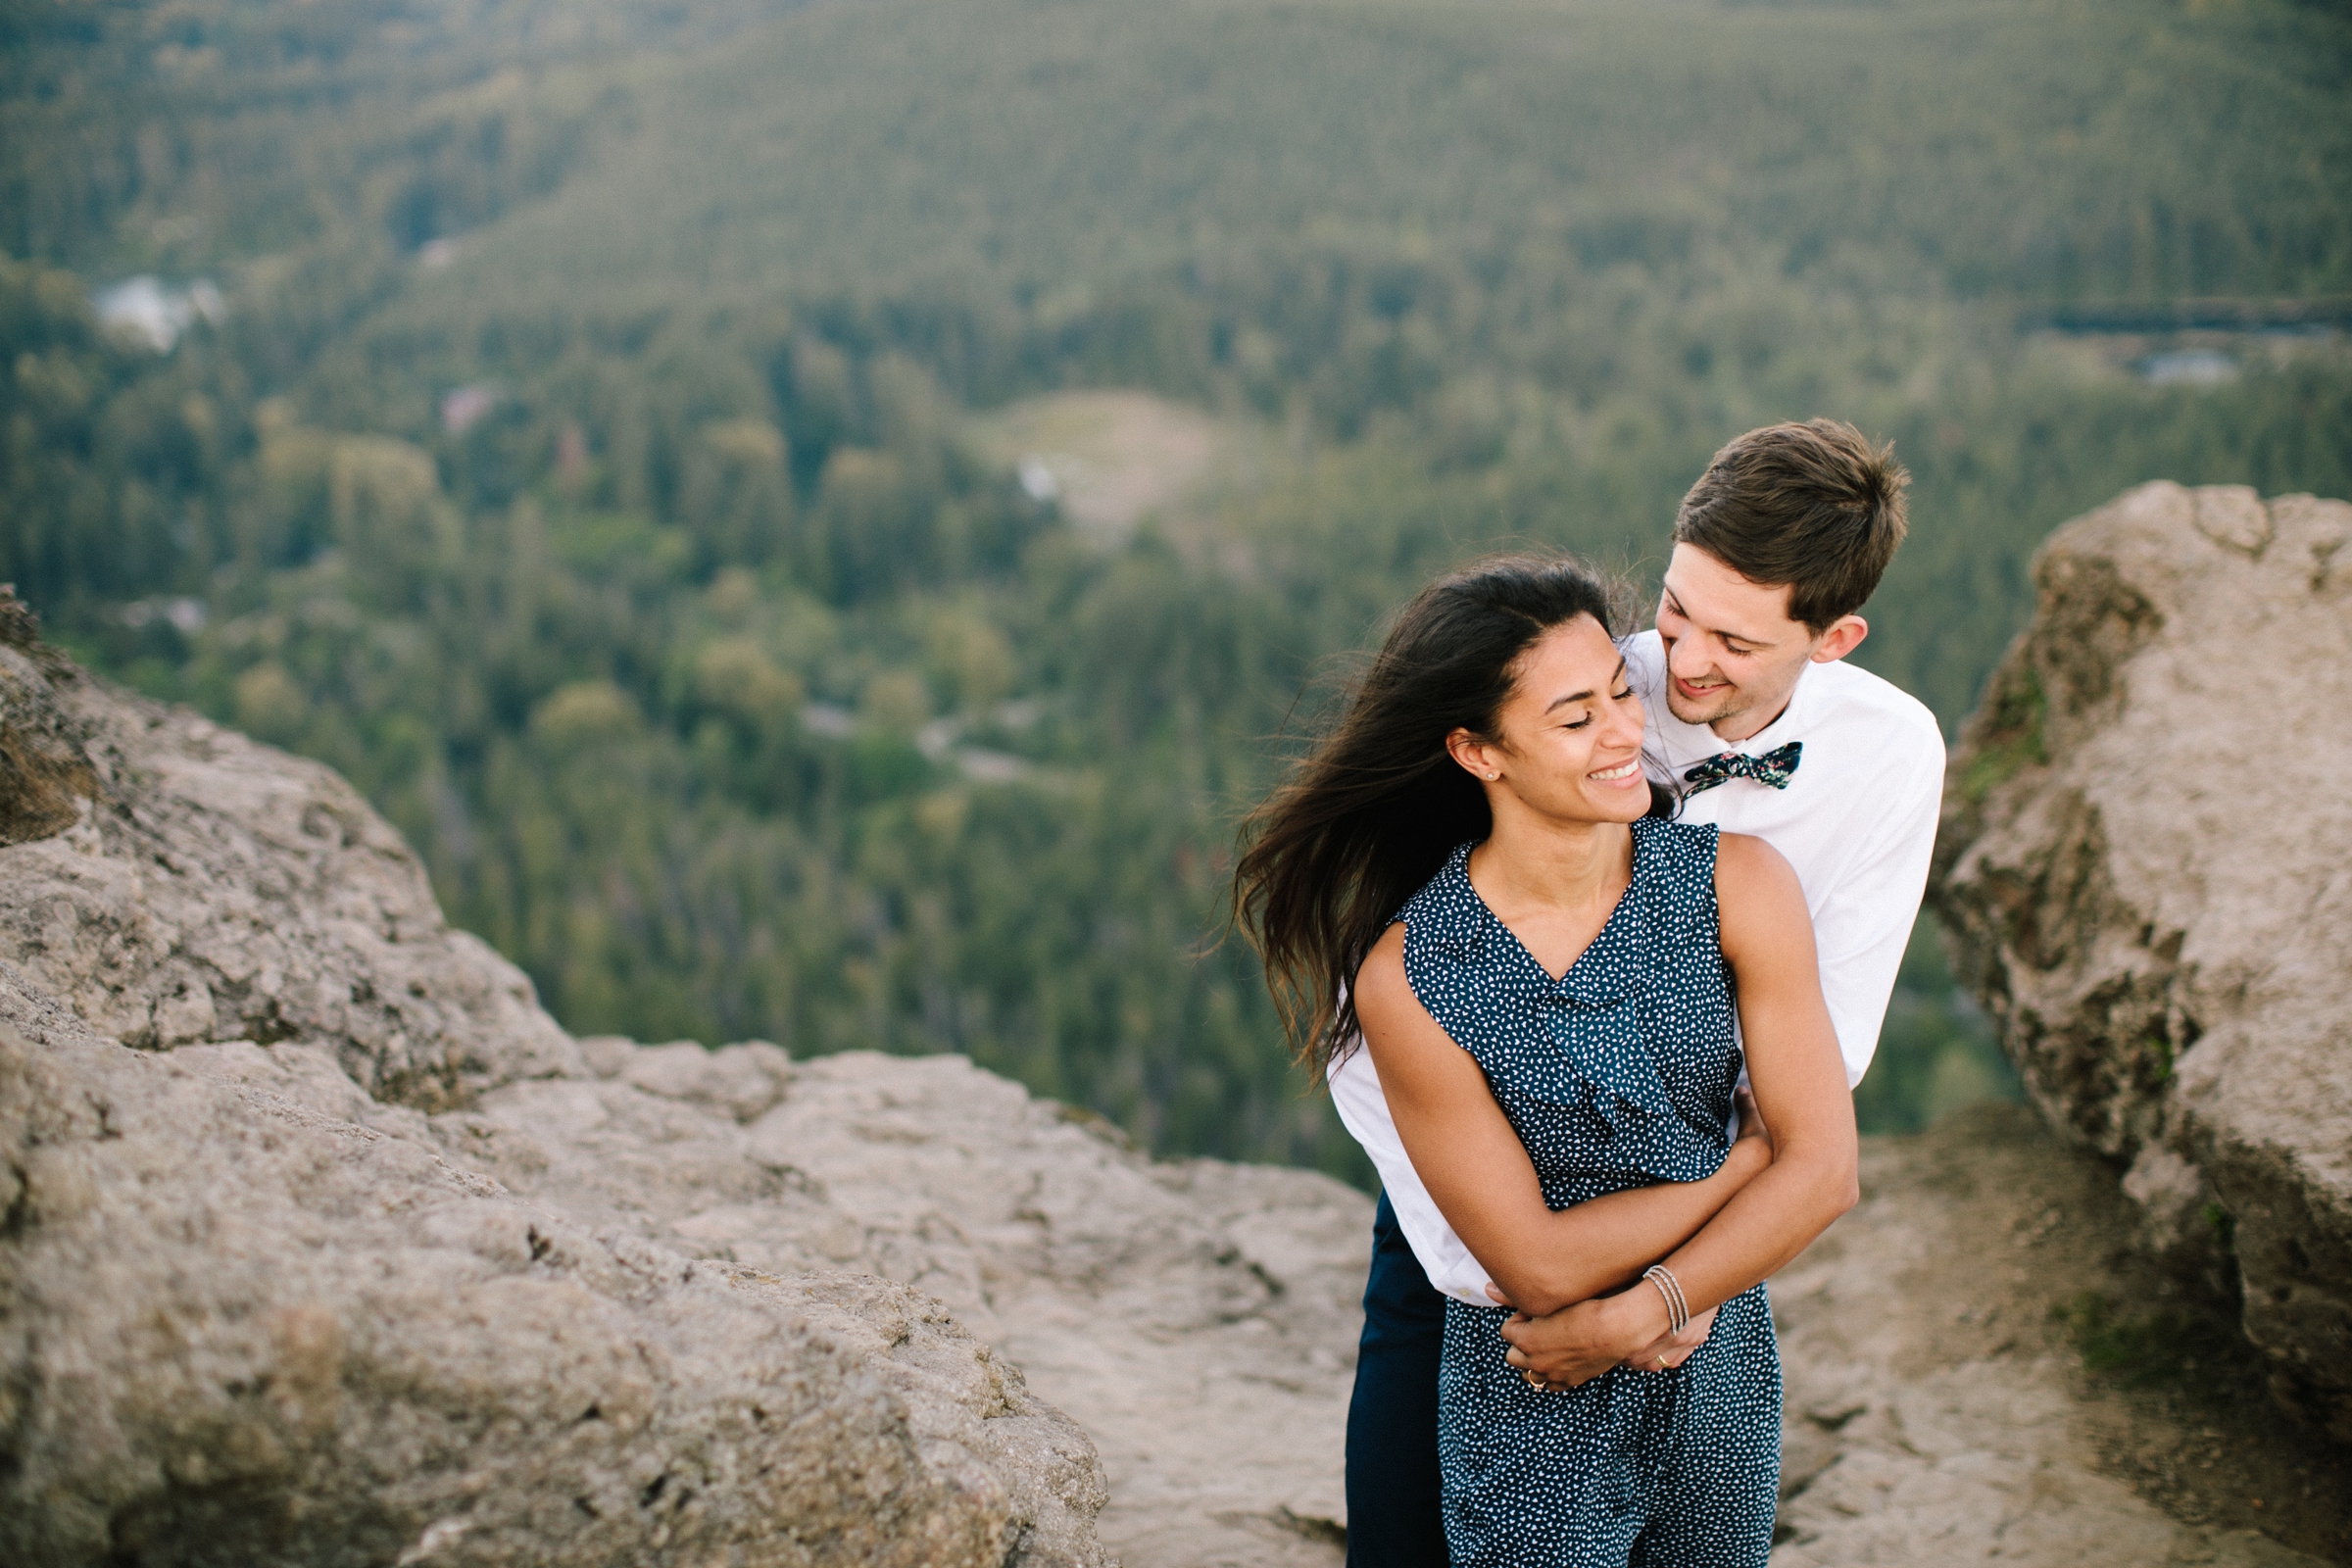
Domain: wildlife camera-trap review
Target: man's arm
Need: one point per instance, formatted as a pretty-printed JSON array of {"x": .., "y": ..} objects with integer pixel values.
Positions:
[
  {"x": 1469, "y": 1158},
  {"x": 1863, "y": 923},
  {"x": 1355, "y": 1093}
]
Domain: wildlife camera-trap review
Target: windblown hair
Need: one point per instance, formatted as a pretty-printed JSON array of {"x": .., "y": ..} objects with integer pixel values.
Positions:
[
  {"x": 1371, "y": 812},
  {"x": 1814, "y": 506}
]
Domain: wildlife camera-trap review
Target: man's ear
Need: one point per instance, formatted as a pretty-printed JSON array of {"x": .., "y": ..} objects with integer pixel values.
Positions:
[{"x": 1844, "y": 635}]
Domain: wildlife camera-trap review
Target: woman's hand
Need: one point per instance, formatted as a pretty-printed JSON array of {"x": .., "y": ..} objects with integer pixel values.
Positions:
[{"x": 1578, "y": 1344}]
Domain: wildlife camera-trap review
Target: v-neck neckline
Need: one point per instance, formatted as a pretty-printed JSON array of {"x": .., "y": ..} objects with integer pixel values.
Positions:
[{"x": 1553, "y": 982}]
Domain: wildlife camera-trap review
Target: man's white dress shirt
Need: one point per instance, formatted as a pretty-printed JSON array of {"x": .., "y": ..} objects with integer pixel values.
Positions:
[{"x": 1858, "y": 821}]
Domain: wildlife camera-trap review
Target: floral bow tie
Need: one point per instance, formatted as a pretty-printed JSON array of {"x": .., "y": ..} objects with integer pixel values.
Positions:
[{"x": 1774, "y": 767}]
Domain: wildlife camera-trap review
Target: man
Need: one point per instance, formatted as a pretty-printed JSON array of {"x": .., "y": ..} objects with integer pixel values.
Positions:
[{"x": 1754, "y": 718}]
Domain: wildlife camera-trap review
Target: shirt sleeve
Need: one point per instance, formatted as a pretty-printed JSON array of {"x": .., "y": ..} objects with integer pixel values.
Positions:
[
  {"x": 1862, "y": 927},
  {"x": 1364, "y": 1110}
]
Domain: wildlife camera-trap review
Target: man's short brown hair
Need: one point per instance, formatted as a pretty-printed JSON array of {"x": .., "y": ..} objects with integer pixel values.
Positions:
[{"x": 1814, "y": 506}]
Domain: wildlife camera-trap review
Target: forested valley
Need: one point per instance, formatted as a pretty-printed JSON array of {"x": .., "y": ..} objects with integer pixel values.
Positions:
[{"x": 583, "y": 424}]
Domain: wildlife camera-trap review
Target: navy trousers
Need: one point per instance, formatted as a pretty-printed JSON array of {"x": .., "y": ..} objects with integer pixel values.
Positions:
[{"x": 1394, "y": 1517}]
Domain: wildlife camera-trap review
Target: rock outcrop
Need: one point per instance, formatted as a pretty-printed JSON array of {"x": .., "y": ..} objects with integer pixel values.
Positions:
[
  {"x": 177, "y": 883},
  {"x": 320, "y": 1241},
  {"x": 258, "y": 1305},
  {"x": 2146, "y": 856},
  {"x": 1938, "y": 1410},
  {"x": 357, "y": 1257}
]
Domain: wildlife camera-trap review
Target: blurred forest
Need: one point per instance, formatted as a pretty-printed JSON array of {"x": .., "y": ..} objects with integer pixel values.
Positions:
[{"x": 571, "y": 419}]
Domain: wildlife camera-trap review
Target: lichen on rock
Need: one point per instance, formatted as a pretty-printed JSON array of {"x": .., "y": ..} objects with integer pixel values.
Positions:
[{"x": 46, "y": 781}]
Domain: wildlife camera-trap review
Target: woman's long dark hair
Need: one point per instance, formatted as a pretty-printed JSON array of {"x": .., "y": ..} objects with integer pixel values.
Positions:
[{"x": 1371, "y": 812}]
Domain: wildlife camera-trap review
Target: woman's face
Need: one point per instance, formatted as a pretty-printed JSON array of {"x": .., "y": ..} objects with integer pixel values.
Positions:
[{"x": 1569, "y": 741}]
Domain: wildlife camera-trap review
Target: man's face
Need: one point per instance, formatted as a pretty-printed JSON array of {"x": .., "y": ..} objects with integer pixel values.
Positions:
[{"x": 1732, "y": 655}]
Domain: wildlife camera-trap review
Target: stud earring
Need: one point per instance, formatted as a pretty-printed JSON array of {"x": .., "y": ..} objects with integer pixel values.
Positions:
[{"x": 1494, "y": 775}]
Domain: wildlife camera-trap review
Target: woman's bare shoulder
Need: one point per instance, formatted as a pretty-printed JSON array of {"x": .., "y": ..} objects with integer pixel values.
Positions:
[
  {"x": 1380, "y": 983},
  {"x": 1750, "y": 874}
]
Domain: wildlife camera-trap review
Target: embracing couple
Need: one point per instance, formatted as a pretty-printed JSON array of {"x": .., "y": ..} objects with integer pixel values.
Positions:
[{"x": 1592, "y": 935}]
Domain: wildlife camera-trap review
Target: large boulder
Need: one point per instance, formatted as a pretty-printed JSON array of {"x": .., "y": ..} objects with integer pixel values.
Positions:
[
  {"x": 264, "y": 1296},
  {"x": 2146, "y": 863}
]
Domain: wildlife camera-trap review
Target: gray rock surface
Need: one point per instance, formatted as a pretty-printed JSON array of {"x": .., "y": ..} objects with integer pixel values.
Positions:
[
  {"x": 240, "y": 1330},
  {"x": 1198, "y": 1318},
  {"x": 2147, "y": 857}
]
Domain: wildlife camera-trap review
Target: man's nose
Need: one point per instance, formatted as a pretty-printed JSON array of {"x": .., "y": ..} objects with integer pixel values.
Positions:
[{"x": 1687, "y": 658}]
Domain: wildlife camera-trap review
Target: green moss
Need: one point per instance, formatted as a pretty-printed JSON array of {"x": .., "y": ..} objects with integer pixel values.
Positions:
[
  {"x": 2011, "y": 734},
  {"x": 2151, "y": 1349}
]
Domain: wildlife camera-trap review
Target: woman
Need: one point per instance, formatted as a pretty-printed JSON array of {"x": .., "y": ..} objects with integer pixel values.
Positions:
[{"x": 1472, "y": 870}]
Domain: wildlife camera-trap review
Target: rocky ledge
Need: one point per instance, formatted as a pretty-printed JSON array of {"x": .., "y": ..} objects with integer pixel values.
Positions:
[
  {"x": 321, "y": 1243},
  {"x": 2146, "y": 855}
]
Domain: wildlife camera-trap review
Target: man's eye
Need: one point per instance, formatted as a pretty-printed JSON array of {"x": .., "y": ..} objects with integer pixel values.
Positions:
[{"x": 1625, "y": 694}]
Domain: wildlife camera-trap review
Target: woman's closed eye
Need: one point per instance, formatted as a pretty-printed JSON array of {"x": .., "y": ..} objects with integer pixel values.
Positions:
[{"x": 1622, "y": 696}]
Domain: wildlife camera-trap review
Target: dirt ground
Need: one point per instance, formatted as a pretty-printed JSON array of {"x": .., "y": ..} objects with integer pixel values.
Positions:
[{"x": 1998, "y": 1257}]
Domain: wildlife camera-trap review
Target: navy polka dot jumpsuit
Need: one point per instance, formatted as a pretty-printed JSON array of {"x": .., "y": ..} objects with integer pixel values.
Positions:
[{"x": 1619, "y": 1074}]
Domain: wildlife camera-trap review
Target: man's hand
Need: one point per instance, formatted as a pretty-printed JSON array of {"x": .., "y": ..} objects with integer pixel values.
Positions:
[
  {"x": 1562, "y": 1349},
  {"x": 1751, "y": 1120},
  {"x": 1578, "y": 1344}
]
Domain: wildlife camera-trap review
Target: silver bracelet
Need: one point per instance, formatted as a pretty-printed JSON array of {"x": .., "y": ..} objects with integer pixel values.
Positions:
[{"x": 1678, "y": 1311}]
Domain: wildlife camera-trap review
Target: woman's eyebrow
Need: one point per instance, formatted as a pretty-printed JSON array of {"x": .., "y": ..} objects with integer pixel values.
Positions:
[{"x": 1587, "y": 693}]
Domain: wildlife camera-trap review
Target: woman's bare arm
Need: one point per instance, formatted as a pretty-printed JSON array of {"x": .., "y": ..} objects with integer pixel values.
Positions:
[
  {"x": 1799, "y": 1084},
  {"x": 1478, "y": 1173}
]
